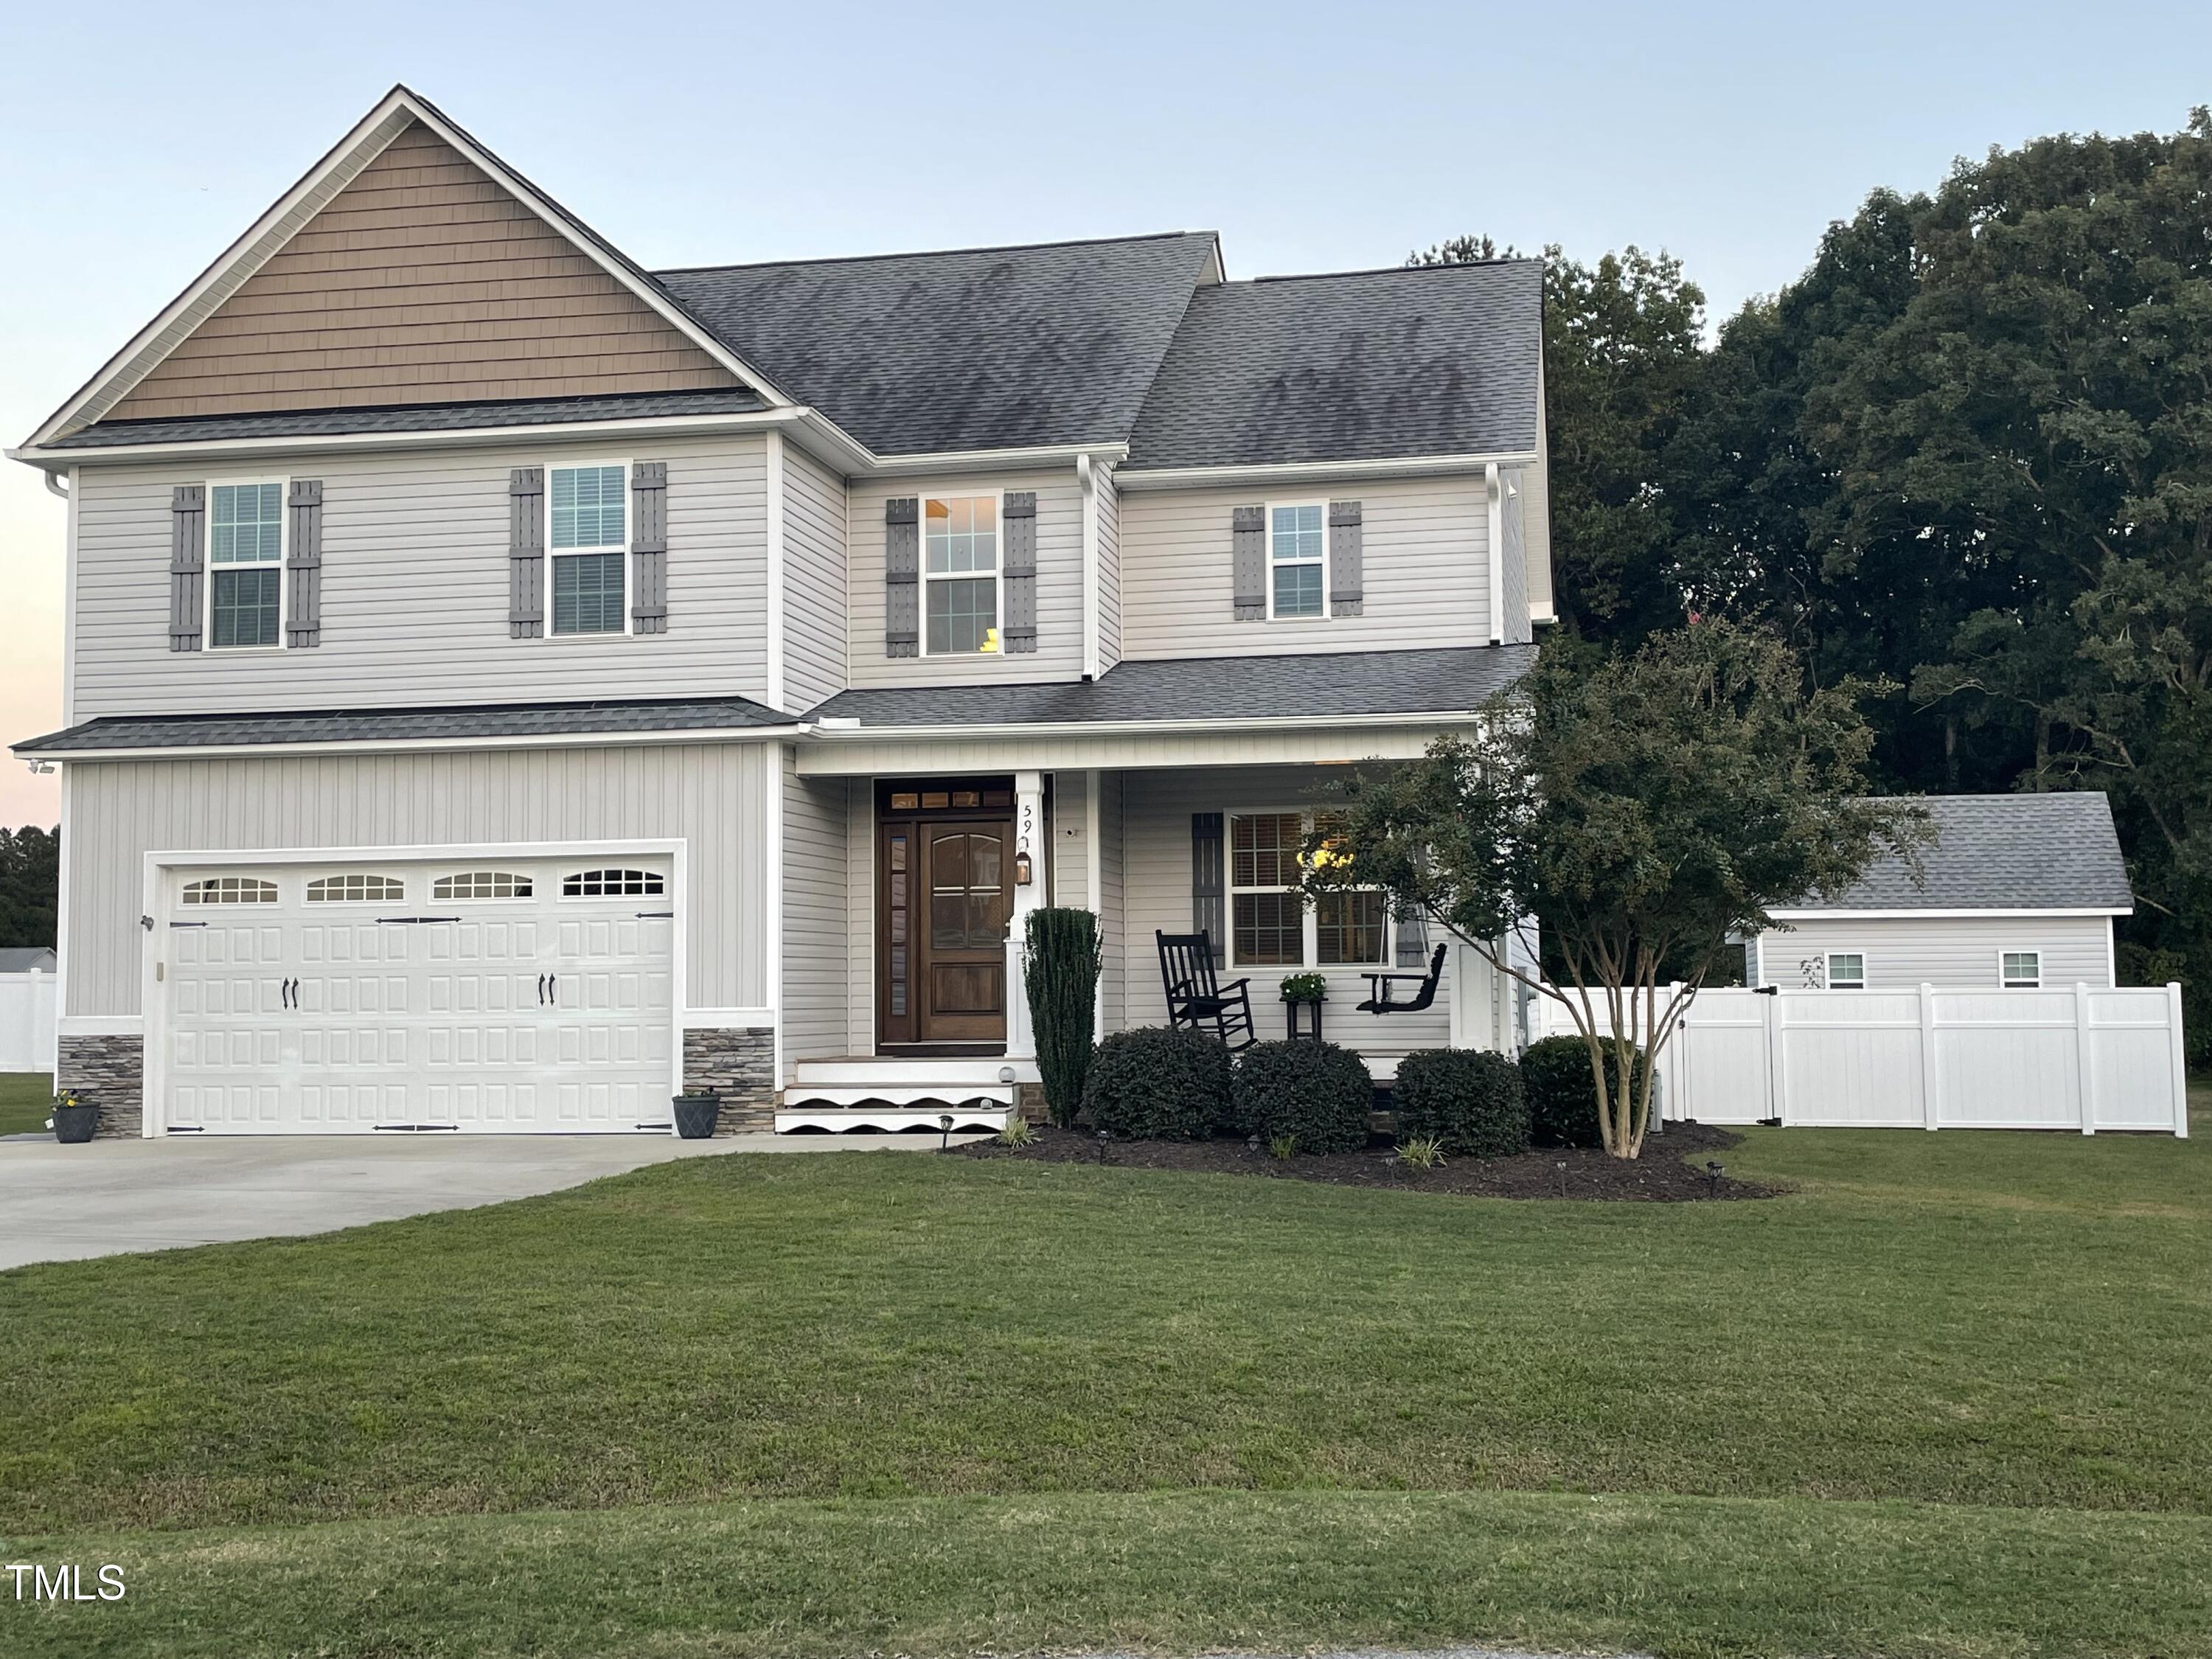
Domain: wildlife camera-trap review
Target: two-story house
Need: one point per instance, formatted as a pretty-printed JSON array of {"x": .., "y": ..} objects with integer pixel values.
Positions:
[{"x": 504, "y": 684}]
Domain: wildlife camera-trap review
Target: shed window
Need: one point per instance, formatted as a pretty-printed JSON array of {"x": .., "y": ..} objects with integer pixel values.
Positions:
[
  {"x": 2021, "y": 971},
  {"x": 590, "y": 537},
  {"x": 356, "y": 890},
  {"x": 230, "y": 889},
  {"x": 611, "y": 884},
  {"x": 1846, "y": 971},
  {"x": 482, "y": 884}
]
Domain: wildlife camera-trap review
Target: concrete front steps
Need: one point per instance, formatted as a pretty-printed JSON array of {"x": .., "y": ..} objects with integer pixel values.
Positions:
[{"x": 889, "y": 1094}]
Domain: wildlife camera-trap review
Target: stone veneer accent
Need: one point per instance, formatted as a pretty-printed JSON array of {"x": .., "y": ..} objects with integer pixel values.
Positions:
[
  {"x": 740, "y": 1064},
  {"x": 109, "y": 1073}
]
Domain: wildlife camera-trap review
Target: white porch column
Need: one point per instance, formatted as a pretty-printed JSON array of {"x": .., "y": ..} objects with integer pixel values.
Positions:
[{"x": 1029, "y": 837}]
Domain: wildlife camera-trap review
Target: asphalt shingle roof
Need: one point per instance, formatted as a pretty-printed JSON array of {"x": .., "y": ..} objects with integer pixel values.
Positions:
[
  {"x": 380, "y": 724},
  {"x": 414, "y": 418},
  {"x": 1229, "y": 689},
  {"x": 2005, "y": 852},
  {"x": 1428, "y": 360},
  {"x": 970, "y": 348}
]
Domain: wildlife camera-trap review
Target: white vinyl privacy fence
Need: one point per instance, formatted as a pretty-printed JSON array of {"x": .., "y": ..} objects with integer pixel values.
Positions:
[
  {"x": 28, "y": 1003},
  {"x": 2087, "y": 1059}
]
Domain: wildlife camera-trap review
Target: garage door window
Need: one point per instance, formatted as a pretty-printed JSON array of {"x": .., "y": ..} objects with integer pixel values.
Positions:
[
  {"x": 482, "y": 884},
  {"x": 611, "y": 884},
  {"x": 356, "y": 890},
  {"x": 230, "y": 889}
]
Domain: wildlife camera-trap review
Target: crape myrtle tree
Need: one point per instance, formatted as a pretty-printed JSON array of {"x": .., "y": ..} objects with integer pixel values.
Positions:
[{"x": 1636, "y": 807}]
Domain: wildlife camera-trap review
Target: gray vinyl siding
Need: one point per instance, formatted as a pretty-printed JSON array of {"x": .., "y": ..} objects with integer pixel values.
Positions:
[
  {"x": 1516, "y": 629},
  {"x": 1058, "y": 655},
  {"x": 1156, "y": 819},
  {"x": 1113, "y": 889},
  {"x": 1109, "y": 569},
  {"x": 814, "y": 581},
  {"x": 1537, "y": 536},
  {"x": 1070, "y": 830},
  {"x": 1954, "y": 952},
  {"x": 713, "y": 796},
  {"x": 415, "y": 587},
  {"x": 814, "y": 879},
  {"x": 1425, "y": 576}
]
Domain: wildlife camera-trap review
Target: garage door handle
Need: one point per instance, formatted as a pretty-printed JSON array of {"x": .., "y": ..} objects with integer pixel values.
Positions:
[
  {"x": 553, "y": 989},
  {"x": 541, "y": 990}
]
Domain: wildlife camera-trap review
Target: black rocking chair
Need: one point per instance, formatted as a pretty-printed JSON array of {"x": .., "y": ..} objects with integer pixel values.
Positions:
[
  {"x": 1196, "y": 1002},
  {"x": 1378, "y": 988}
]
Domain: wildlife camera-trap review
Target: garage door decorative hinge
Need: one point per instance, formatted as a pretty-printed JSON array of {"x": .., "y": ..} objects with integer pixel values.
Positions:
[
  {"x": 408, "y": 921},
  {"x": 654, "y": 915}
]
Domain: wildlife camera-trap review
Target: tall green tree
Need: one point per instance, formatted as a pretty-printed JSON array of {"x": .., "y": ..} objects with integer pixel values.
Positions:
[{"x": 30, "y": 886}]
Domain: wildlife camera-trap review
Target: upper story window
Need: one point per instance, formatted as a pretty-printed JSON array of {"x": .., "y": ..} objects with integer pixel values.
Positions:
[
  {"x": 245, "y": 554},
  {"x": 590, "y": 546},
  {"x": 1269, "y": 926},
  {"x": 1846, "y": 971},
  {"x": 2021, "y": 970},
  {"x": 1296, "y": 556},
  {"x": 960, "y": 575}
]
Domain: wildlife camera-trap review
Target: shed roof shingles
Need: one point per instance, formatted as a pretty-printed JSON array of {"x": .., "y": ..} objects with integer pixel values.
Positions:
[{"x": 2050, "y": 852}]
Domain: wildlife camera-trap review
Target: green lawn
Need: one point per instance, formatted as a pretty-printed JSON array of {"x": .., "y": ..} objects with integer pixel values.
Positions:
[
  {"x": 1952, "y": 1396},
  {"x": 27, "y": 1101}
]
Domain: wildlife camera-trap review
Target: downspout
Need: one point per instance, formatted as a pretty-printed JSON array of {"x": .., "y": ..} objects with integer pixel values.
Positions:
[
  {"x": 1087, "y": 478},
  {"x": 1494, "y": 602}
]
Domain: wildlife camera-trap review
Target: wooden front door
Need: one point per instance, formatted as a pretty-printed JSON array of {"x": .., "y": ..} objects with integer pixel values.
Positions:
[{"x": 945, "y": 877}]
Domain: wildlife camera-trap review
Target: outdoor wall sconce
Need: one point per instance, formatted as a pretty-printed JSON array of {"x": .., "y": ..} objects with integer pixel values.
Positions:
[{"x": 1021, "y": 869}]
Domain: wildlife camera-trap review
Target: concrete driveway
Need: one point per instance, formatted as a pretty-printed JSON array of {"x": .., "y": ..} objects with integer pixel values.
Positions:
[{"x": 62, "y": 1203}]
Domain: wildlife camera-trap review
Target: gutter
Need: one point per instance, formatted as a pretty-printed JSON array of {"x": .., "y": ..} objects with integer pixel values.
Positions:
[
  {"x": 1400, "y": 466},
  {"x": 279, "y": 750},
  {"x": 833, "y": 728}
]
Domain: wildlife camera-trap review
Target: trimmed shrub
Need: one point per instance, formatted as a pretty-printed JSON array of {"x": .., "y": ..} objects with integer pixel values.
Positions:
[
  {"x": 1316, "y": 1093},
  {"x": 1469, "y": 1099},
  {"x": 1060, "y": 973},
  {"x": 1158, "y": 1083},
  {"x": 1555, "y": 1074}
]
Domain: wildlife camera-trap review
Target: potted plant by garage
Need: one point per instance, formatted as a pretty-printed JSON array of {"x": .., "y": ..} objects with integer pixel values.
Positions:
[
  {"x": 696, "y": 1114},
  {"x": 1302, "y": 996},
  {"x": 73, "y": 1121}
]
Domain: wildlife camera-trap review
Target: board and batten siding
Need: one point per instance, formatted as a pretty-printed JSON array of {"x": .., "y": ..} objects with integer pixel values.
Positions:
[
  {"x": 1157, "y": 808},
  {"x": 713, "y": 796},
  {"x": 414, "y": 588},
  {"x": 814, "y": 916},
  {"x": 1951, "y": 952},
  {"x": 814, "y": 540},
  {"x": 1425, "y": 558},
  {"x": 1058, "y": 655}
]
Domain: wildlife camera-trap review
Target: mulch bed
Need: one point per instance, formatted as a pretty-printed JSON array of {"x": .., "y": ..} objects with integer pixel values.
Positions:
[{"x": 1671, "y": 1170}]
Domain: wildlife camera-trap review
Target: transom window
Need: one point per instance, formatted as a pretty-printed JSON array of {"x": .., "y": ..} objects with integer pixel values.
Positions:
[
  {"x": 1297, "y": 553},
  {"x": 2021, "y": 970},
  {"x": 482, "y": 884},
  {"x": 230, "y": 889},
  {"x": 590, "y": 537},
  {"x": 611, "y": 884},
  {"x": 356, "y": 890},
  {"x": 245, "y": 551},
  {"x": 960, "y": 575},
  {"x": 1269, "y": 927},
  {"x": 1846, "y": 971}
]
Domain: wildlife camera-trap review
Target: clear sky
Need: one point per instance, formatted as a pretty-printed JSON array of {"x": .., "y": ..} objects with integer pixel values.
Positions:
[{"x": 141, "y": 139}]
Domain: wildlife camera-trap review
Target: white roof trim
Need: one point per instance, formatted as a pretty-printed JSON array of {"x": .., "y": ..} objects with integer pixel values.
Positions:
[
  {"x": 338, "y": 167},
  {"x": 1398, "y": 466},
  {"x": 842, "y": 728},
  {"x": 1948, "y": 915},
  {"x": 279, "y": 749}
]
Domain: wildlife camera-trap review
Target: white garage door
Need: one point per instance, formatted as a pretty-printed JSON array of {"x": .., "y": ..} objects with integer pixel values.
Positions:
[{"x": 516, "y": 995}]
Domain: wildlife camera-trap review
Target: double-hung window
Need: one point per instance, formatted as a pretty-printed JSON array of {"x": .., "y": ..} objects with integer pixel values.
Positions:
[
  {"x": 960, "y": 575},
  {"x": 1297, "y": 544},
  {"x": 2021, "y": 970},
  {"x": 590, "y": 548},
  {"x": 1269, "y": 927},
  {"x": 246, "y": 559}
]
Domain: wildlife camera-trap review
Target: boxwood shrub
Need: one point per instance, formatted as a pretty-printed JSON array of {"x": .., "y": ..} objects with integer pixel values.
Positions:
[
  {"x": 1316, "y": 1093},
  {"x": 1469, "y": 1099},
  {"x": 1555, "y": 1074},
  {"x": 1158, "y": 1083}
]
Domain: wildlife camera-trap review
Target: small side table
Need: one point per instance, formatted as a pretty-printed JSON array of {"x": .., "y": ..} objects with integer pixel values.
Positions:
[{"x": 1304, "y": 1019}]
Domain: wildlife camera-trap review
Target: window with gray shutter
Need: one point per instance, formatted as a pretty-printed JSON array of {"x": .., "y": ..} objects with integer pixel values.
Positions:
[
  {"x": 648, "y": 547},
  {"x": 525, "y": 553},
  {"x": 1206, "y": 882},
  {"x": 188, "y": 566},
  {"x": 303, "y": 563},
  {"x": 1019, "y": 572},
  {"x": 1344, "y": 598},
  {"x": 902, "y": 576},
  {"x": 1248, "y": 537}
]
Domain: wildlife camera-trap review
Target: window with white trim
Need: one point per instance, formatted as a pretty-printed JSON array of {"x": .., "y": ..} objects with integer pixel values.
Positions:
[
  {"x": 482, "y": 884},
  {"x": 2021, "y": 970},
  {"x": 611, "y": 884},
  {"x": 356, "y": 889},
  {"x": 1298, "y": 550},
  {"x": 588, "y": 548},
  {"x": 229, "y": 890},
  {"x": 1270, "y": 927},
  {"x": 246, "y": 565},
  {"x": 960, "y": 570},
  {"x": 1846, "y": 971}
]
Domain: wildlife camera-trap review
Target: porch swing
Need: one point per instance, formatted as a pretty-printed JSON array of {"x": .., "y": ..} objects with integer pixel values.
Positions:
[{"x": 1413, "y": 934}]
